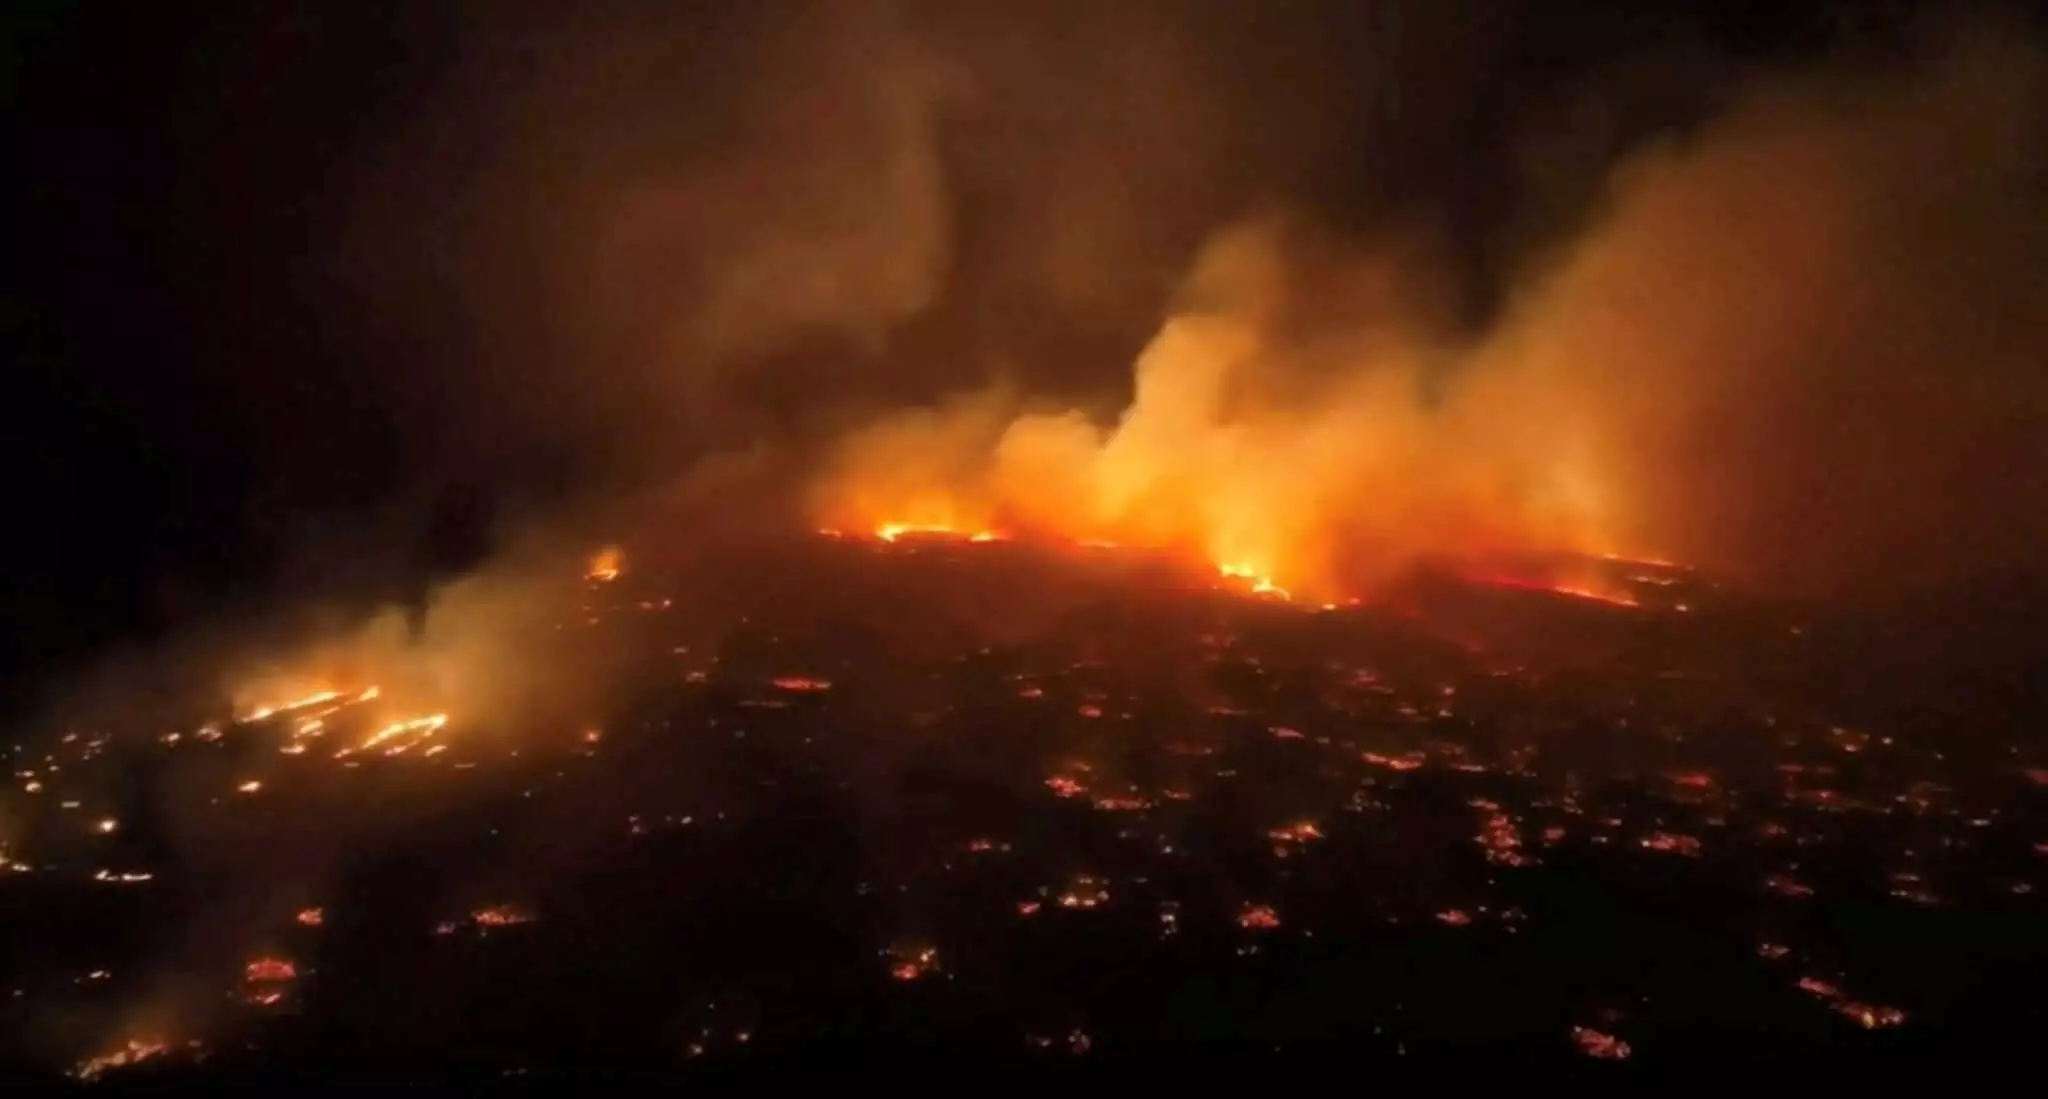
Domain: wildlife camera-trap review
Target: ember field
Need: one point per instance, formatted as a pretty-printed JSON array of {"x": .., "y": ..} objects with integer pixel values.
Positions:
[{"x": 1006, "y": 806}]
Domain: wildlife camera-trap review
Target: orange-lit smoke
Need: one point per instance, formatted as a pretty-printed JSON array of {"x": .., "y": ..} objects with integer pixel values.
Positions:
[
  {"x": 1316, "y": 463},
  {"x": 1760, "y": 359}
]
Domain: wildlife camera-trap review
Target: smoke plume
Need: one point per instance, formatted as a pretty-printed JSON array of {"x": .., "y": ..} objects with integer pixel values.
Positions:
[{"x": 1797, "y": 343}]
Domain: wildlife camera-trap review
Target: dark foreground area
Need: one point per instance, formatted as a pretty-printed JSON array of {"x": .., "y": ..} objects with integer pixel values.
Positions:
[{"x": 982, "y": 809}]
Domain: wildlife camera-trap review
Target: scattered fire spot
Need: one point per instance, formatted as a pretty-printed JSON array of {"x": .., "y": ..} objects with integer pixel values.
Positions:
[
  {"x": 803, "y": 684},
  {"x": 1302, "y": 832},
  {"x": 134, "y": 1052},
  {"x": 266, "y": 970},
  {"x": 1065, "y": 787},
  {"x": 1605, "y": 1047},
  {"x": 1787, "y": 886},
  {"x": 502, "y": 916},
  {"x": 1259, "y": 917},
  {"x": 912, "y": 963},
  {"x": 1672, "y": 843}
]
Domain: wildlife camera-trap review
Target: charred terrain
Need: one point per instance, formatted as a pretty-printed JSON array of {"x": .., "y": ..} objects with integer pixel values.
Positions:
[{"x": 929, "y": 800}]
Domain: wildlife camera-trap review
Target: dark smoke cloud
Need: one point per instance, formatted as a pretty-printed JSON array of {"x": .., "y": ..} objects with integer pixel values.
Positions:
[{"x": 678, "y": 228}]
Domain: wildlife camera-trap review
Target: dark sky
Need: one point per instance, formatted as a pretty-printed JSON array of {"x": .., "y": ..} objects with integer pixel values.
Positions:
[{"x": 295, "y": 268}]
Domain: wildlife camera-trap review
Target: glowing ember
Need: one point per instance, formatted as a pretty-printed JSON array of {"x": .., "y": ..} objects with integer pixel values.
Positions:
[
  {"x": 890, "y": 532},
  {"x": 311, "y": 917},
  {"x": 1786, "y": 886},
  {"x": 262, "y": 713},
  {"x": 1259, "y": 917},
  {"x": 1827, "y": 990},
  {"x": 1065, "y": 787},
  {"x": 1871, "y": 1016},
  {"x": 1672, "y": 843},
  {"x": 399, "y": 736},
  {"x": 1613, "y": 598},
  {"x": 1302, "y": 832},
  {"x": 1085, "y": 893},
  {"x": 501, "y": 916},
  {"x": 1500, "y": 838},
  {"x": 1867, "y": 1016},
  {"x": 912, "y": 963},
  {"x": 1605, "y": 1047},
  {"x": 1409, "y": 762},
  {"x": 801, "y": 683},
  {"x": 136, "y": 1051},
  {"x": 606, "y": 565},
  {"x": 1261, "y": 584},
  {"x": 127, "y": 877},
  {"x": 266, "y": 970}
]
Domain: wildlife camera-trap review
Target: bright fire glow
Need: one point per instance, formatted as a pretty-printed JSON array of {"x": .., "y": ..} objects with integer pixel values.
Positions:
[
  {"x": 399, "y": 736},
  {"x": 1305, "y": 472},
  {"x": 261, "y": 713},
  {"x": 1577, "y": 583},
  {"x": 134, "y": 1051},
  {"x": 890, "y": 532},
  {"x": 606, "y": 565}
]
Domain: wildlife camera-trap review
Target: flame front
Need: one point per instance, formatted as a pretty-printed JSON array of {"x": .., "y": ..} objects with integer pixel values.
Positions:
[{"x": 1311, "y": 471}]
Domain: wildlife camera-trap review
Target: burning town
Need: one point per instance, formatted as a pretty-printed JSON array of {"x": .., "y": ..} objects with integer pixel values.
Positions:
[
  {"x": 703, "y": 541},
  {"x": 1017, "y": 802}
]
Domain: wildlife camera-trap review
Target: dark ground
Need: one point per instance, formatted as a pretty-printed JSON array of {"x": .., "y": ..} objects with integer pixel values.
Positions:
[{"x": 1080, "y": 788}]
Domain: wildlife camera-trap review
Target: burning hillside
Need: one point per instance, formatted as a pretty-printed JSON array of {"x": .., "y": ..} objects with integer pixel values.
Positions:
[
  {"x": 966, "y": 779},
  {"x": 1336, "y": 480},
  {"x": 1053, "y": 533}
]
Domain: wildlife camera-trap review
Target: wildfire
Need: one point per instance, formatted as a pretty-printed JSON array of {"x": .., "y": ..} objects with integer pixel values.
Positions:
[
  {"x": 801, "y": 684},
  {"x": 270, "y": 970},
  {"x": 262, "y": 713},
  {"x": 1241, "y": 576},
  {"x": 1232, "y": 459},
  {"x": 606, "y": 565},
  {"x": 1578, "y": 590},
  {"x": 1258, "y": 917},
  {"x": 399, "y": 736},
  {"x": 134, "y": 1052},
  {"x": 1261, "y": 584},
  {"x": 1302, "y": 832},
  {"x": 1597, "y": 1044},
  {"x": 890, "y": 532},
  {"x": 909, "y": 963},
  {"x": 503, "y": 915}
]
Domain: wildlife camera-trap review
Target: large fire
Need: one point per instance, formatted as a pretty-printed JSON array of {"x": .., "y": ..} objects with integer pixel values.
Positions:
[{"x": 1310, "y": 469}]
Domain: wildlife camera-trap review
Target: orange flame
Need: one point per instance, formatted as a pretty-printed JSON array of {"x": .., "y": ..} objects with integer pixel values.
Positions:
[{"x": 1307, "y": 473}]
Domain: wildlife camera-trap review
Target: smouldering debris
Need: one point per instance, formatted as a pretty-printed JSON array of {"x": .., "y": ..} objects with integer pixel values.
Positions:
[{"x": 1233, "y": 785}]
